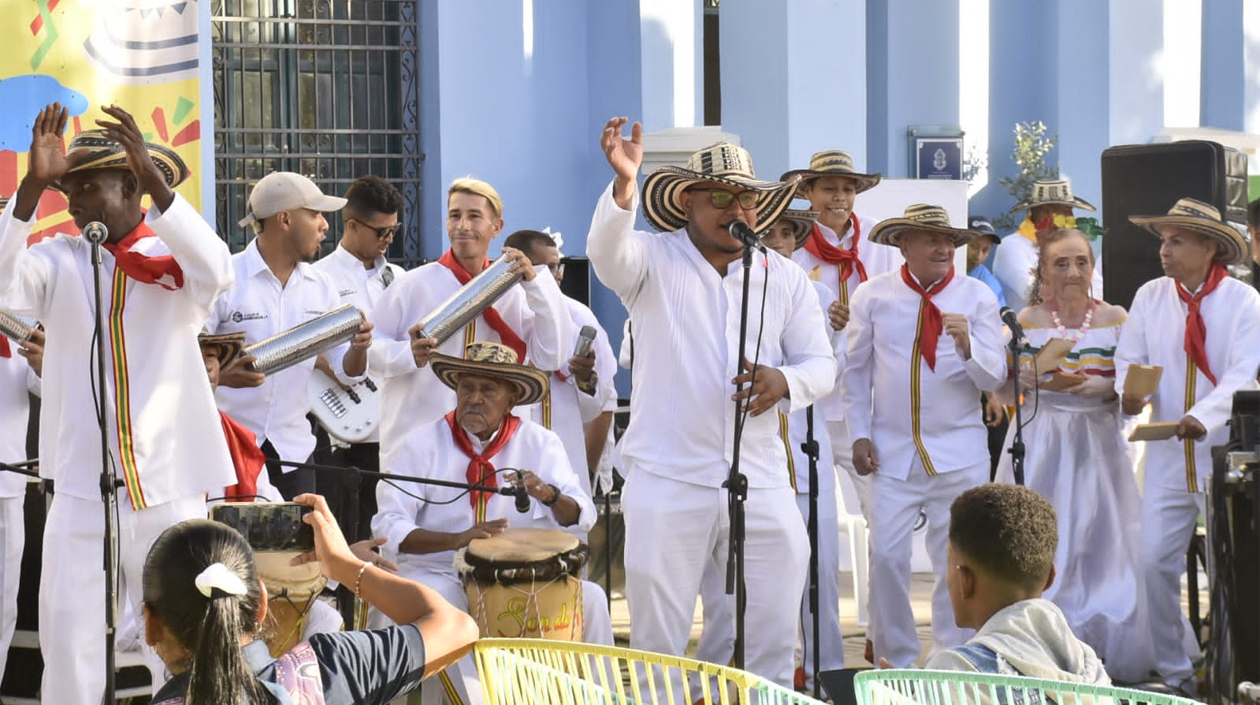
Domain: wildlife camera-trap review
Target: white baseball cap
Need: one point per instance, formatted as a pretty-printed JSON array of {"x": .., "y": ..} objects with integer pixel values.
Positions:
[{"x": 282, "y": 191}]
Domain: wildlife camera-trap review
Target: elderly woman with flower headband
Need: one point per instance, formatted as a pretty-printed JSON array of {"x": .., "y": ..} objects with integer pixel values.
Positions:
[{"x": 205, "y": 610}]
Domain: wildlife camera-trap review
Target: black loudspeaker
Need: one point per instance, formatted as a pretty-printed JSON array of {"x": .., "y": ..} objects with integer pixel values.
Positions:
[
  {"x": 1147, "y": 179},
  {"x": 577, "y": 279}
]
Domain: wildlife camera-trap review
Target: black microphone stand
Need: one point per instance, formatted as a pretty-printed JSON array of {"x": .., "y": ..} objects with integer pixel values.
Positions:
[
  {"x": 20, "y": 468},
  {"x": 507, "y": 490},
  {"x": 1017, "y": 446},
  {"x": 737, "y": 483},
  {"x": 109, "y": 478},
  {"x": 810, "y": 446}
]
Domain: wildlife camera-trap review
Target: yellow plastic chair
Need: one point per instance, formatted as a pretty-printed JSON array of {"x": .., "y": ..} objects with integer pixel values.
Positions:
[
  {"x": 920, "y": 687},
  {"x": 529, "y": 671}
]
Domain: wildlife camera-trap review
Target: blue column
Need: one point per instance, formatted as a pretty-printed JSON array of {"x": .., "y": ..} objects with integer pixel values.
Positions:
[
  {"x": 1223, "y": 68},
  {"x": 912, "y": 63},
  {"x": 1082, "y": 90}
]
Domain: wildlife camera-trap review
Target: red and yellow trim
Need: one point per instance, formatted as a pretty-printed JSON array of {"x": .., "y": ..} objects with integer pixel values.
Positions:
[
  {"x": 787, "y": 447},
  {"x": 451, "y": 693},
  {"x": 122, "y": 392},
  {"x": 1192, "y": 374},
  {"x": 916, "y": 393}
]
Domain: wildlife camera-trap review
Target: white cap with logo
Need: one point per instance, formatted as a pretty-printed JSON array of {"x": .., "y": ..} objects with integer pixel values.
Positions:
[{"x": 282, "y": 191}]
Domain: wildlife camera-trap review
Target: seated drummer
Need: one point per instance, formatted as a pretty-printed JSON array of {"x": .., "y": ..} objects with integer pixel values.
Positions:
[{"x": 477, "y": 443}]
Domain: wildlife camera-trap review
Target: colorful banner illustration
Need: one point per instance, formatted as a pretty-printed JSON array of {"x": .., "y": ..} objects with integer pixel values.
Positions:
[{"x": 141, "y": 55}]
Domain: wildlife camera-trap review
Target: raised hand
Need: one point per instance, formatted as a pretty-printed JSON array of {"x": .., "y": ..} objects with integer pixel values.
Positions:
[
  {"x": 46, "y": 161},
  {"x": 624, "y": 156},
  {"x": 128, "y": 134},
  {"x": 521, "y": 263}
]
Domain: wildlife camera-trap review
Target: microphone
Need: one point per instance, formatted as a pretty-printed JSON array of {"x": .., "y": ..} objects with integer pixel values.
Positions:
[
  {"x": 740, "y": 231},
  {"x": 96, "y": 232},
  {"x": 585, "y": 338},
  {"x": 1012, "y": 321},
  {"x": 522, "y": 498}
]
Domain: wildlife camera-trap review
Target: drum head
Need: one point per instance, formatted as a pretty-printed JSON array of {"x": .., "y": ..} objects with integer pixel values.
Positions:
[
  {"x": 280, "y": 578},
  {"x": 517, "y": 546}
]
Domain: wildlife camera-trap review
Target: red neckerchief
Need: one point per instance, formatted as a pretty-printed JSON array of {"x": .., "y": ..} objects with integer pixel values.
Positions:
[
  {"x": 480, "y": 470},
  {"x": 1196, "y": 330},
  {"x": 162, "y": 270},
  {"x": 5, "y": 350},
  {"x": 932, "y": 324},
  {"x": 847, "y": 260},
  {"x": 497, "y": 324},
  {"x": 247, "y": 458}
]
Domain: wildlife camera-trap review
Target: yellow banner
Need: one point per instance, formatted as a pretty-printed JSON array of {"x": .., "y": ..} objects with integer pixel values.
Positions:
[{"x": 141, "y": 55}]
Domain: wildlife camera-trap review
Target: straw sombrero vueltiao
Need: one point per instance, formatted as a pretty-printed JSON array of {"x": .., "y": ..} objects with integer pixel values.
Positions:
[
  {"x": 920, "y": 216},
  {"x": 1199, "y": 217},
  {"x": 802, "y": 223},
  {"x": 834, "y": 162},
  {"x": 722, "y": 163},
  {"x": 228, "y": 345},
  {"x": 91, "y": 149},
  {"x": 1056, "y": 192},
  {"x": 492, "y": 360}
]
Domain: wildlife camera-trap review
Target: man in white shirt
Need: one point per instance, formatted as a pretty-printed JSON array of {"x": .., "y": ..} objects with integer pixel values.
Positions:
[
  {"x": 1049, "y": 208},
  {"x": 277, "y": 289},
  {"x": 531, "y": 318},
  {"x": 481, "y": 442},
  {"x": 19, "y": 379},
  {"x": 924, "y": 341},
  {"x": 161, "y": 271},
  {"x": 358, "y": 268},
  {"x": 1203, "y": 328},
  {"x": 580, "y": 392},
  {"x": 682, "y": 288}
]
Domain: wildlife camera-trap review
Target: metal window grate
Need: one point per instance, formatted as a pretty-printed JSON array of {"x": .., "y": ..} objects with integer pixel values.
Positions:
[{"x": 326, "y": 88}]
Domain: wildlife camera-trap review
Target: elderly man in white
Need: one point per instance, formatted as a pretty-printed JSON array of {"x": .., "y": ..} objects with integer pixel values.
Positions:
[
  {"x": 480, "y": 442},
  {"x": 923, "y": 344}
]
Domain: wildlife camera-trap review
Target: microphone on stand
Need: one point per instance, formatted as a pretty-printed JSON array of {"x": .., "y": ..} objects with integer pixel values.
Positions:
[
  {"x": 742, "y": 232},
  {"x": 586, "y": 337},
  {"x": 1011, "y": 320},
  {"x": 96, "y": 232}
]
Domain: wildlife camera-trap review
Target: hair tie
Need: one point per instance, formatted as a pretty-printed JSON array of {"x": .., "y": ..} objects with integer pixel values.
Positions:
[{"x": 218, "y": 576}]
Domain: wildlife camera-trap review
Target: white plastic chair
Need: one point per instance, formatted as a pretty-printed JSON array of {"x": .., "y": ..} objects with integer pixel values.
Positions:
[{"x": 854, "y": 526}]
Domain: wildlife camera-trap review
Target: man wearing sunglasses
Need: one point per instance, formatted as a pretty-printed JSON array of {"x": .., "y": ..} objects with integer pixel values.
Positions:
[{"x": 370, "y": 221}]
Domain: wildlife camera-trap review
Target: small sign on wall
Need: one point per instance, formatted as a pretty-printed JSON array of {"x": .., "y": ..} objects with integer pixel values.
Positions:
[{"x": 936, "y": 152}]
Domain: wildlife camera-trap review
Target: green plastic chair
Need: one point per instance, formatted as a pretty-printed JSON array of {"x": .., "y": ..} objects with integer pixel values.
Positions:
[{"x": 920, "y": 687}]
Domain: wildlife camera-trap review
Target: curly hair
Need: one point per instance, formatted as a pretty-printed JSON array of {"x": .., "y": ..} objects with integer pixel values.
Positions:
[
  {"x": 369, "y": 195},
  {"x": 1043, "y": 243},
  {"x": 1010, "y": 531}
]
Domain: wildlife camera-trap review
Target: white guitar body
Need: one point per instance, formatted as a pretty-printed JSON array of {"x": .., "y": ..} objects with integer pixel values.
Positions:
[{"x": 351, "y": 414}]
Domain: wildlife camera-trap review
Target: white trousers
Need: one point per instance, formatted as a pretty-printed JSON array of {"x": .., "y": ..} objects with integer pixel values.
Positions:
[
  {"x": 892, "y": 528},
  {"x": 72, "y": 589},
  {"x": 830, "y": 639},
  {"x": 1169, "y": 516},
  {"x": 458, "y": 684},
  {"x": 12, "y": 539},
  {"x": 675, "y": 529},
  {"x": 842, "y": 455}
]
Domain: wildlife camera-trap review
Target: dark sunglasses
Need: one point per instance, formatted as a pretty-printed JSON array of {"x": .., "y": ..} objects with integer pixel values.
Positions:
[
  {"x": 722, "y": 200},
  {"x": 381, "y": 233}
]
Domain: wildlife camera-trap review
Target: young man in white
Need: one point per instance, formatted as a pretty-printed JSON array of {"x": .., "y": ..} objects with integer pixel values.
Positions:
[
  {"x": 1203, "y": 328},
  {"x": 161, "y": 272},
  {"x": 682, "y": 288},
  {"x": 1049, "y": 208},
  {"x": 838, "y": 253},
  {"x": 924, "y": 341},
  {"x": 581, "y": 392},
  {"x": 477, "y": 442},
  {"x": 531, "y": 318},
  {"x": 20, "y": 365},
  {"x": 277, "y": 289}
]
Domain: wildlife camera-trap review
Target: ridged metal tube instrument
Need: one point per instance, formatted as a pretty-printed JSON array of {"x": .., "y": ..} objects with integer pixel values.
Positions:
[
  {"x": 18, "y": 328},
  {"x": 302, "y": 342},
  {"x": 472, "y": 298}
]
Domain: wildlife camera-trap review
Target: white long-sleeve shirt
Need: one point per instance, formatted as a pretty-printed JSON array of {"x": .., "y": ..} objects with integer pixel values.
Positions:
[
  {"x": 686, "y": 346},
  {"x": 260, "y": 306},
  {"x": 430, "y": 452},
  {"x": 17, "y": 382},
  {"x": 163, "y": 429},
  {"x": 412, "y": 396},
  {"x": 1154, "y": 334},
  {"x": 894, "y": 399}
]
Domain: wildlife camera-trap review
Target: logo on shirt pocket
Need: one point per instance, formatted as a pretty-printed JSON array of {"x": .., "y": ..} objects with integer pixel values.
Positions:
[{"x": 238, "y": 316}]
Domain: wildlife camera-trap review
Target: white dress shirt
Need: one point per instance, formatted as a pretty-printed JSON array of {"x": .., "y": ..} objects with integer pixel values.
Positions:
[
  {"x": 17, "y": 382},
  {"x": 686, "y": 337},
  {"x": 1013, "y": 265},
  {"x": 938, "y": 419},
  {"x": 1154, "y": 334},
  {"x": 261, "y": 306},
  {"x": 412, "y": 396},
  {"x": 170, "y": 426},
  {"x": 430, "y": 452}
]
